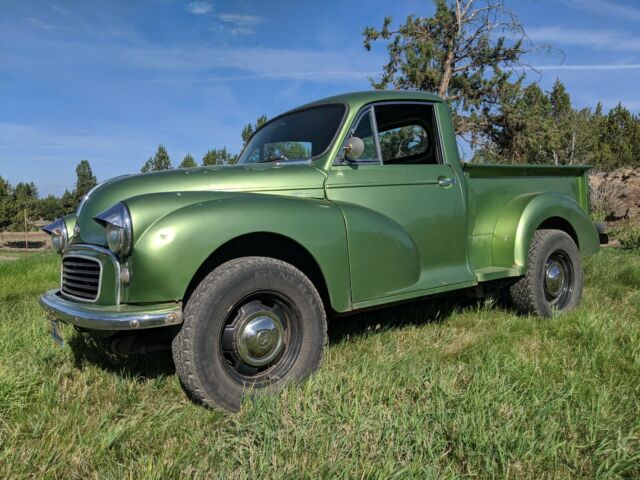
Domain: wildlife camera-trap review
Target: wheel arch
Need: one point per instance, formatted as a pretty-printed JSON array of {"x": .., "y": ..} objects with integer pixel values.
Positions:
[
  {"x": 265, "y": 244},
  {"x": 526, "y": 214}
]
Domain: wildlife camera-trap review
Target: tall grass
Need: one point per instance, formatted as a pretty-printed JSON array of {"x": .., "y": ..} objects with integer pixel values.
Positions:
[{"x": 440, "y": 389}]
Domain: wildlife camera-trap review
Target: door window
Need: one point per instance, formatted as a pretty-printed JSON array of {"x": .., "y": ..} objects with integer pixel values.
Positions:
[{"x": 365, "y": 131}]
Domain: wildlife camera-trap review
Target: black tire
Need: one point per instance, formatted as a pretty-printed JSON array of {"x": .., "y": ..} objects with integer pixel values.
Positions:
[
  {"x": 553, "y": 283},
  {"x": 221, "y": 353}
]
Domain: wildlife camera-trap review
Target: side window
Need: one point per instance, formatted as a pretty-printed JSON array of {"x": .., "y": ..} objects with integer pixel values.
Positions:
[
  {"x": 407, "y": 133},
  {"x": 364, "y": 131}
]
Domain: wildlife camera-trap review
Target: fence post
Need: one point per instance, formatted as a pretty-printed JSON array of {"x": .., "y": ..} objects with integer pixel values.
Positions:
[{"x": 26, "y": 233}]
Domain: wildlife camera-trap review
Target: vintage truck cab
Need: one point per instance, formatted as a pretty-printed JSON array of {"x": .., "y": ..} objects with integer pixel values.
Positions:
[{"x": 352, "y": 201}]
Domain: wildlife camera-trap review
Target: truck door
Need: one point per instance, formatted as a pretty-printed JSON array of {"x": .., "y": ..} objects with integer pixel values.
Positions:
[{"x": 403, "y": 205}]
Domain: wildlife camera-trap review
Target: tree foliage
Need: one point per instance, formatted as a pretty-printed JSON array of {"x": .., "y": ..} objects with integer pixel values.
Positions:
[
  {"x": 85, "y": 180},
  {"x": 218, "y": 156},
  {"x": 466, "y": 52},
  {"x": 540, "y": 127},
  {"x": 160, "y": 161},
  {"x": 250, "y": 129},
  {"x": 188, "y": 162}
]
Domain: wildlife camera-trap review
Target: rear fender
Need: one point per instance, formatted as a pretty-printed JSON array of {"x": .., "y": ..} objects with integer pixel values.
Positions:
[{"x": 523, "y": 215}]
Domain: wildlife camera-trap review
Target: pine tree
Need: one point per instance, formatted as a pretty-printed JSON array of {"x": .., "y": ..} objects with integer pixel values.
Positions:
[
  {"x": 218, "y": 157},
  {"x": 188, "y": 162},
  {"x": 85, "y": 180},
  {"x": 249, "y": 129},
  {"x": 160, "y": 161}
]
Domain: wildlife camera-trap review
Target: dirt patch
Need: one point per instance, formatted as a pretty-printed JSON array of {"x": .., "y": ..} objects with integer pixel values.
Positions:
[{"x": 5, "y": 258}]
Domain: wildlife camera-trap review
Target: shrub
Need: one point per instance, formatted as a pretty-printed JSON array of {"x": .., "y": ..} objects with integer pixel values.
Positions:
[
  {"x": 628, "y": 235},
  {"x": 603, "y": 200}
]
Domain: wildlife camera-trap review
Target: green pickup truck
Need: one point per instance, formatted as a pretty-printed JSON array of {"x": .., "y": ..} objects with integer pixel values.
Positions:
[{"x": 351, "y": 202}]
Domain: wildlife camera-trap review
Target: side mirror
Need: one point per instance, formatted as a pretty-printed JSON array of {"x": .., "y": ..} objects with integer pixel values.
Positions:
[{"x": 354, "y": 148}]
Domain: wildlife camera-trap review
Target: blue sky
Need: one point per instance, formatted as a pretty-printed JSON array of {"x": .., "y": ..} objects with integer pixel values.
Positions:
[{"x": 108, "y": 81}]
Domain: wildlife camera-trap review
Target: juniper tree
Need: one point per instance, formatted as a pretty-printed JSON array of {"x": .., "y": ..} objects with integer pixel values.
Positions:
[{"x": 466, "y": 52}]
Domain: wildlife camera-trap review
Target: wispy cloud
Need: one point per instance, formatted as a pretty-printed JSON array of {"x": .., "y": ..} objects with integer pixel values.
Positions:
[
  {"x": 240, "y": 24},
  {"x": 605, "y": 66},
  {"x": 606, "y": 7},
  {"x": 598, "y": 39},
  {"x": 200, "y": 7},
  {"x": 37, "y": 23},
  {"x": 253, "y": 62},
  {"x": 58, "y": 9}
]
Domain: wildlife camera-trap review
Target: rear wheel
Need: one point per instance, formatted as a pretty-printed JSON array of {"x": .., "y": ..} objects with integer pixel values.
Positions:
[
  {"x": 553, "y": 283},
  {"x": 252, "y": 324}
]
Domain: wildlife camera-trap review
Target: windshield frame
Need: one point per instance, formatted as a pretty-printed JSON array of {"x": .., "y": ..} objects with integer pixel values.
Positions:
[{"x": 305, "y": 161}]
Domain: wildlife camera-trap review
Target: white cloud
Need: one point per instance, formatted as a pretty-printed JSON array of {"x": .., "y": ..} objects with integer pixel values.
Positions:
[
  {"x": 598, "y": 39},
  {"x": 58, "y": 9},
  {"x": 37, "y": 23},
  {"x": 240, "y": 24},
  {"x": 606, "y": 66},
  {"x": 606, "y": 7},
  {"x": 200, "y": 7},
  {"x": 255, "y": 62}
]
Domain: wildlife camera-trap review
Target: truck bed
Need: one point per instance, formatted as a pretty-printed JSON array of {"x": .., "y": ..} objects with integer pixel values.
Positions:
[{"x": 489, "y": 188}]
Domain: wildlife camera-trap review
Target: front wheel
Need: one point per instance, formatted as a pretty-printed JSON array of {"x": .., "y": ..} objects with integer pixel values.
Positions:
[
  {"x": 252, "y": 324},
  {"x": 553, "y": 283}
]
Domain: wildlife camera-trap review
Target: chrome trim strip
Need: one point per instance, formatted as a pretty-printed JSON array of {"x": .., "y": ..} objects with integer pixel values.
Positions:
[
  {"x": 374, "y": 123},
  {"x": 111, "y": 318},
  {"x": 98, "y": 291}
]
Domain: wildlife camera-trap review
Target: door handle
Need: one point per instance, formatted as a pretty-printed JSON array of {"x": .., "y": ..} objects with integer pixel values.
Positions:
[{"x": 447, "y": 182}]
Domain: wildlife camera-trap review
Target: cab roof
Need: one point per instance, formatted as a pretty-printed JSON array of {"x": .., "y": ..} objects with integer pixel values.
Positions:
[{"x": 357, "y": 99}]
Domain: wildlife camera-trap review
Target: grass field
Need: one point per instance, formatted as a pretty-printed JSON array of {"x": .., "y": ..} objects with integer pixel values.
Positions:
[{"x": 435, "y": 390}]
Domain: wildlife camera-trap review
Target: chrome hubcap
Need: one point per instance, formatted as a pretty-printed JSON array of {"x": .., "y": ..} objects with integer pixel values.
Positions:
[
  {"x": 260, "y": 338},
  {"x": 558, "y": 280},
  {"x": 554, "y": 279}
]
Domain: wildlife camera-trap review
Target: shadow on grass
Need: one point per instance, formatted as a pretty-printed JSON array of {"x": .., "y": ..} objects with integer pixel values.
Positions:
[
  {"x": 421, "y": 312},
  {"x": 88, "y": 349}
]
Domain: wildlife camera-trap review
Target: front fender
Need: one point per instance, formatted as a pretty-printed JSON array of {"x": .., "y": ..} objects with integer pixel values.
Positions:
[
  {"x": 169, "y": 252},
  {"x": 523, "y": 215}
]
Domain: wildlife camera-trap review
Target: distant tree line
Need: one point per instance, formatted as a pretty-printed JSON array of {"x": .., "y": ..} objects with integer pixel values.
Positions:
[
  {"x": 216, "y": 156},
  {"x": 23, "y": 200}
]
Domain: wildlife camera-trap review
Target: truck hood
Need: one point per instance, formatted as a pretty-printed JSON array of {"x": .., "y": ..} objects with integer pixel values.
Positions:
[{"x": 295, "y": 180}]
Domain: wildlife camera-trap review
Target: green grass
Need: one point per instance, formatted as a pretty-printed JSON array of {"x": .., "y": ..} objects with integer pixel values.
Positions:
[{"x": 435, "y": 390}]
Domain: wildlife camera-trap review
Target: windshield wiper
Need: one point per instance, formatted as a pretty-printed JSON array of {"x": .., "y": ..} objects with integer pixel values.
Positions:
[{"x": 274, "y": 159}]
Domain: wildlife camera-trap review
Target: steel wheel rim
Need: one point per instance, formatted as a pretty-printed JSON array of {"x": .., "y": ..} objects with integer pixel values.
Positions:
[
  {"x": 558, "y": 280},
  {"x": 260, "y": 339}
]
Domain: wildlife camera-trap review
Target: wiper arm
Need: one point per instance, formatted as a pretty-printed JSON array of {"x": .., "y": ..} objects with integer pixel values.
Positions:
[{"x": 272, "y": 159}]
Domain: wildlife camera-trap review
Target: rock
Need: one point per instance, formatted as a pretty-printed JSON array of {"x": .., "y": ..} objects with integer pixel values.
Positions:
[{"x": 618, "y": 191}]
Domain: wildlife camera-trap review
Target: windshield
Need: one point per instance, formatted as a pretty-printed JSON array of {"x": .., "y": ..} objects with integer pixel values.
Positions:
[{"x": 299, "y": 135}]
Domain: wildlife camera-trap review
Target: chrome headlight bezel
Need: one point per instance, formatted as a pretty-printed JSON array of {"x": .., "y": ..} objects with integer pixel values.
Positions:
[
  {"x": 57, "y": 230},
  {"x": 117, "y": 223}
]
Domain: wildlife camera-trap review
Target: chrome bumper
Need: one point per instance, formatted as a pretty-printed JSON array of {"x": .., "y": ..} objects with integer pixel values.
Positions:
[{"x": 119, "y": 317}]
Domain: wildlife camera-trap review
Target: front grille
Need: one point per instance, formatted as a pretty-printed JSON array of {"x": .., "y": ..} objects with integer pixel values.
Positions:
[{"x": 81, "y": 278}]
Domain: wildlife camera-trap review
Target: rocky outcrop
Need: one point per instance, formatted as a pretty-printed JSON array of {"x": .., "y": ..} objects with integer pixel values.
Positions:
[{"x": 617, "y": 192}]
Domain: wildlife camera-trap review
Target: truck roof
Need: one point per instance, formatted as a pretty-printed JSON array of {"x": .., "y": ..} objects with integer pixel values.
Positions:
[{"x": 357, "y": 99}]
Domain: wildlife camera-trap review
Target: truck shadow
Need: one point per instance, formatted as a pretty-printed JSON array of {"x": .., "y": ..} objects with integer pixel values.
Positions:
[
  {"x": 89, "y": 350},
  {"x": 431, "y": 310}
]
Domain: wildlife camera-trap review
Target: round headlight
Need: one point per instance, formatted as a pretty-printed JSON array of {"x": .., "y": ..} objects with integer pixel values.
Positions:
[
  {"x": 118, "y": 239},
  {"x": 58, "y": 232},
  {"x": 117, "y": 222}
]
